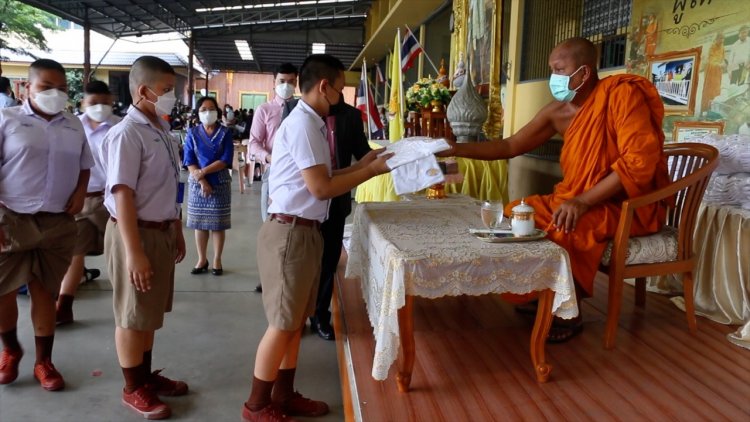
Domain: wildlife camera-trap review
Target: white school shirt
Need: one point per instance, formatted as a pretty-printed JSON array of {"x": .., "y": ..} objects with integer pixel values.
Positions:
[
  {"x": 40, "y": 160},
  {"x": 98, "y": 179},
  {"x": 300, "y": 143},
  {"x": 143, "y": 157}
]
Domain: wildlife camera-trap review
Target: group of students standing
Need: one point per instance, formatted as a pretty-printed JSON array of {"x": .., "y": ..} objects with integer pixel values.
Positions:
[{"x": 71, "y": 187}]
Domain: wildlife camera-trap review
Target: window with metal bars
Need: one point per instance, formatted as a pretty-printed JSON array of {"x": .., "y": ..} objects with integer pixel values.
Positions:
[{"x": 546, "y": 23}]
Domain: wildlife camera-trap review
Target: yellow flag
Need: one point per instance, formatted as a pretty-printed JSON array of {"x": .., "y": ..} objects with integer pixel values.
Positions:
[{"x": 396, "y": 126}]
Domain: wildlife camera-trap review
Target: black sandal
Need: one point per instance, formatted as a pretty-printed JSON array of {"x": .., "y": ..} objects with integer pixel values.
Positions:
[{"x": 562, "y": 332}]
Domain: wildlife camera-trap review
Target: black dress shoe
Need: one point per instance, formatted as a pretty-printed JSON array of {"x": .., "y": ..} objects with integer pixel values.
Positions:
[
  {"x": 200, "y": 270},
  {"x": 217, "y": 271},
  {"x": 258, "y": 289},
  {"x": 323, "y": 328}
]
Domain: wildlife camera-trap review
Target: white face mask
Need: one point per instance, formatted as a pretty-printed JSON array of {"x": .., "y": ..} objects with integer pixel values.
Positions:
[
  {"x": 285, "y": 90},
  {"x": 51, "y": 101},
  {"x": 99, "y": 112},
  {"x": 164, "y": 103},
  {"x": 208, "y": 117}
]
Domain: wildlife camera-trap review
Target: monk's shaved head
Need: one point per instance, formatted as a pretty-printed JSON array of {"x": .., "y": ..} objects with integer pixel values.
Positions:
[{"x": 578, "y": 49}]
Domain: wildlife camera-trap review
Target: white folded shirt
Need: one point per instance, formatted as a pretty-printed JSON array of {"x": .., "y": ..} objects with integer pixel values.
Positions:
[
  {"x": 413, "y": 165},
  {"x": 417, "y": 175}
]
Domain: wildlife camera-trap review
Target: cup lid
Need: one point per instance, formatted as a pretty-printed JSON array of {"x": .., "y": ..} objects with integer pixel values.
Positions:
[{"x": 523, "y": 207}]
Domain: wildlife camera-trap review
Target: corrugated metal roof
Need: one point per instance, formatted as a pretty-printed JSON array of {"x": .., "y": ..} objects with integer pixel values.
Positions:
[
  {"x": 75, "y": 57},
  {"x": 276, "y": 31}
]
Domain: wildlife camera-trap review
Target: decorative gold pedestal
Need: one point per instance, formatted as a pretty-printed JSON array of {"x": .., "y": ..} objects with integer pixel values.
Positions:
[{"x": 436, "y": 191}]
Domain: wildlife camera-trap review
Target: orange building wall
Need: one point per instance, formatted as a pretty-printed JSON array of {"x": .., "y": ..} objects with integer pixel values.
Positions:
[{"x": 230, "y": 85}]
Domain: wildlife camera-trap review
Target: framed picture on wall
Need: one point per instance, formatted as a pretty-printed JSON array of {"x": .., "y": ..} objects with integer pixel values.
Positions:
[
  {"x": 675, "y": 75},
  {"x": 691, "y": 131}
]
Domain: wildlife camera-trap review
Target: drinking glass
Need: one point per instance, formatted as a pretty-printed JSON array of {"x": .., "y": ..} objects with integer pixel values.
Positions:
[{"x": 492, "y": 214}]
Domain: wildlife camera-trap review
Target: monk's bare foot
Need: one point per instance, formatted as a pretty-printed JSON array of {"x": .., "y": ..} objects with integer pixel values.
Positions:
[{"x": 563, "y": 330}]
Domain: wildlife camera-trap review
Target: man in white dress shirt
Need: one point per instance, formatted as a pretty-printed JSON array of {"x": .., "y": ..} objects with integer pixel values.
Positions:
[
  {"x": 301, "y": 185},
  {"x": 92, "y": 220},
  {"x": 44, "y": 171}
]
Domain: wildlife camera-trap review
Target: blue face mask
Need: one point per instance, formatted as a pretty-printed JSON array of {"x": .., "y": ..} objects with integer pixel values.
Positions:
[{"x": 558, "y": 85}]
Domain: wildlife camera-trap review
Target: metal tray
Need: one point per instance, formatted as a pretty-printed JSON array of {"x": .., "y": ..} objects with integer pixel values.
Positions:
[{"x": 504, "y": 237}]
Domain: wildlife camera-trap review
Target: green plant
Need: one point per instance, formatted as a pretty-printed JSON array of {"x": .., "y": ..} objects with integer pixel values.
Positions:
[{"x": 422, "y": 93}]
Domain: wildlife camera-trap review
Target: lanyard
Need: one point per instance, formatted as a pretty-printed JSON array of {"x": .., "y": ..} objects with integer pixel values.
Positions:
[{"x": 170, "y": 151}]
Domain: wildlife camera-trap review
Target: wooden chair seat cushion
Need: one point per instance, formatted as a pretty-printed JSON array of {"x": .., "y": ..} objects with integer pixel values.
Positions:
[{"x": 657, "y": 247}]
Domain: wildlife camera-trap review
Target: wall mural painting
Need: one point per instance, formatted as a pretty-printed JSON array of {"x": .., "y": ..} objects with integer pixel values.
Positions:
[
  {"x": 480, "y": 34},
  {"x": 697, "y": 53}
]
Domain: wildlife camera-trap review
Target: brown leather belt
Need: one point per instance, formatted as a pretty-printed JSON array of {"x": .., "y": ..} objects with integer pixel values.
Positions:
[
  {"x": 293, "y": 219},
  {"x": 156, "y": 225},
  {"x": 94, "y": 194}
]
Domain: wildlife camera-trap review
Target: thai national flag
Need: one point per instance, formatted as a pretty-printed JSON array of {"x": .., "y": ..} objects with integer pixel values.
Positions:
[
  {"x": 410, "y": 49},
  {"x": 379, "y": 74},
  {"x": 366, "y": 101}
]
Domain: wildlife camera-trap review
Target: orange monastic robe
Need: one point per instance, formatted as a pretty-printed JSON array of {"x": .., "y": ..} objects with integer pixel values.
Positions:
[{"x": 617, "y": 129}]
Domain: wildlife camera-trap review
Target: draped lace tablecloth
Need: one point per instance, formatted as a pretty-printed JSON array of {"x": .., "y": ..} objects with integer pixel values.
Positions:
[{"x": 423, "y": 248}]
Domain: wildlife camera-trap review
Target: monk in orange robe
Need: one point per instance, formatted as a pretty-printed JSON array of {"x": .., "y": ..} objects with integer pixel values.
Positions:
[{"x": 612, "y": 150}]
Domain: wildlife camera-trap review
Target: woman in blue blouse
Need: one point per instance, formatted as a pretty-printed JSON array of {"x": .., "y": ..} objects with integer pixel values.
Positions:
[{"x": 208, "y": 156}]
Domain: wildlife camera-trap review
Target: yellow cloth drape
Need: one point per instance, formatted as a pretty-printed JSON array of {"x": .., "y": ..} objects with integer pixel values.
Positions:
[{"x": 483, "y": 180}]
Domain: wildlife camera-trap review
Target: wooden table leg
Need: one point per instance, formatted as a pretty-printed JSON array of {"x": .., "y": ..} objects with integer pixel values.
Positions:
[
  {"x": 406, "y": 331},
  {"x": 539, "y": 335}
]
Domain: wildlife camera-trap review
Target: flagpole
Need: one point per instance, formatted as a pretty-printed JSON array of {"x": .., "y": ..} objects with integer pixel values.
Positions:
[
  {"x": 367, "y": 97},
  {"x": 424, "y": 52},
  {"x": 400, "y": 79},
  {"x": 377, "y": 84}
]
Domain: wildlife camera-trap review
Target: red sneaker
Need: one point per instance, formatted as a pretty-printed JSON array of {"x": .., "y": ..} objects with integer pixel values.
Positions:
[
  {"x": 48, "y": 377},
  {"x": 145, "y": 402},
  {"x": 302, "y": 406},
  {"x": 270, "y": 413},
  {"x": 164, "y": 386},
  {"x": 9, "y": 365}
]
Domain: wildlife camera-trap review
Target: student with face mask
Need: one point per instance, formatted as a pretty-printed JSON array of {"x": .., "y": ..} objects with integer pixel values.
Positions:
[
  {"x": 91, "y": 222},
  {"x": 143, "y": 240},
  {"x": 302, "y": 183},
  {"x": 44, "y": 172},
  {"x": 208, "y": 155}
]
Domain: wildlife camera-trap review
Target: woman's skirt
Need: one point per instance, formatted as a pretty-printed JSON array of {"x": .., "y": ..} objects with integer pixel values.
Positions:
[{"x": 212, "y": 212}]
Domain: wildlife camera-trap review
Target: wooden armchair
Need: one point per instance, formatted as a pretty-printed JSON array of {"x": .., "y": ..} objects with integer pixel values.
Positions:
[{"x": 690, "y": 166}]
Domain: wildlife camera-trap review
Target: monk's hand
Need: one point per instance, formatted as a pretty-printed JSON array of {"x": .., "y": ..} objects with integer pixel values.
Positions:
[
  {"x": 451, "y": 152},
  {"x": 567, "y": 215}
]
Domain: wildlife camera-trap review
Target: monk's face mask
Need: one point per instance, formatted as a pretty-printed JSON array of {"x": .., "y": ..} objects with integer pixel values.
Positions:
[{"x": 558, "y": 85}]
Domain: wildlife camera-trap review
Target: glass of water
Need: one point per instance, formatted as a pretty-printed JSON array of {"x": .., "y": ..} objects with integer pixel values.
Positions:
[{"x": 492, "y": 214}]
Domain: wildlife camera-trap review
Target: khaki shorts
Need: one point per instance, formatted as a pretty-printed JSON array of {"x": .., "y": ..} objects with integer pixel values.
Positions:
[
  {"x": 142, "y": 311},
  {"x": 91, "y": 223},
  {"x": 37, "y": 247},
  {"x": 289, "y": 265}
]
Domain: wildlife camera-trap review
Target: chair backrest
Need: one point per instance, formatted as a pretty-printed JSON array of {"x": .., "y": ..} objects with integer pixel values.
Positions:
[{"x": 690, "y": 167}]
